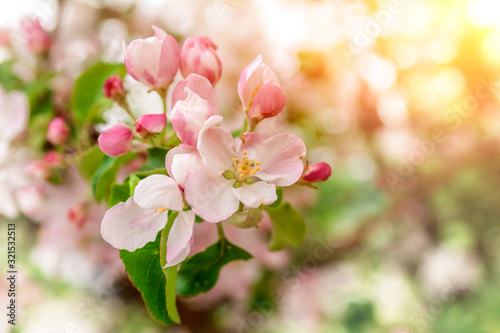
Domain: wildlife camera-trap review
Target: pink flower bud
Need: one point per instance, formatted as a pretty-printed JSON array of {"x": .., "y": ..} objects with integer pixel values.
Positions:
[
  {"x": 53, "y": 159},
  {"x": 116, "y": 140},
  {"x": 78, "y": 214},
  {"x": 37, "y": 38},
  {"x": 57, "y": 131},
  {"x": 150, "y": 124},
  {"x": 317, "y": 172},
  {"x": 39, "y": 170},
  {"x": 198, "y": 56},
  {"x": 153, "y": 61},
  {"x": 113, "y": 88},
  {"x": 260, "y": 91}
]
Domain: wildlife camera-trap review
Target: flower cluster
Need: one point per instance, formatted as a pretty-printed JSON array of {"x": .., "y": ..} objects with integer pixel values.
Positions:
[{"x": 211, "y": 174}]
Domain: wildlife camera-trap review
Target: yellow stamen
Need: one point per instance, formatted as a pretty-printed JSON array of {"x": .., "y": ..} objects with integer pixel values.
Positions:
[
  {"x": 244, "y": 152},
  {"x": 160, "y": 210},
  {"x": 257, "y": 163}
]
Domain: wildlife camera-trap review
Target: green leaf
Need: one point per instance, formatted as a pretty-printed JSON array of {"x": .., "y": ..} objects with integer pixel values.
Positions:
[
  {"x": 199, "y": 273},
  {"x": 155, "y": 160},
  {"x": 279, "y": 193},
  {"x": 145, "y": 272},
  {"x": 118, "y": 193},
  {"x": 289, "y": 228},
  {"x": 90, "y": 162},
  {"x": 7, "y": 78},
  {"x": 133, "y": 180},
  {"x": 87, "y": 100},
  {"x": 106, "y": 174}
]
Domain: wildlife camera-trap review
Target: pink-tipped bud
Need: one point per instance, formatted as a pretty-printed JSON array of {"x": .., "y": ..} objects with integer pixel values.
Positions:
[
  {"x": 57, "y": 131},
  {"x": 113, "y": 88},
  {"x": 116, "y": 140},
  {"x": 37, "y": 38},
  {"x": 78, "y": 214},
  {"x": 150, "y": 124},
  {"x": 53, "y": 159},
  {"x": 198, "y": 56},
  {"x": 153, "y": 61},
  {"x": 260, "y": 91},
  {"x": 317, "y": 172},
  {"x": 38, "y": 170}
]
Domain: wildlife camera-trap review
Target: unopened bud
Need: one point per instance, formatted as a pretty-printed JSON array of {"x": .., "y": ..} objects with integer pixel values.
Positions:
[
  {"x": 317, "y": 172},
  {"x": 57, "y": 131},
  {"x": 150, "y": 124},
  {"x": 113, "y": 89},
  {"x": 116, "y": 140},
  {"x": 78, "y": 214}
]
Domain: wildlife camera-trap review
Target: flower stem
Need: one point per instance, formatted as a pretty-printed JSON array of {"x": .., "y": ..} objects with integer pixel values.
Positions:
[
  {"x": 220, "y": 230},
  {"x": 163, "y": 95}
]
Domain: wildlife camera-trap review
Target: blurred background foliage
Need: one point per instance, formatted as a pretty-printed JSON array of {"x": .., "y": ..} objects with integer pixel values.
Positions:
[{"x": 400, "y": 97}]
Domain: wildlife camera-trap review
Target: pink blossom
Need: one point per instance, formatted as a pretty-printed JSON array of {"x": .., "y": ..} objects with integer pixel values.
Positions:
[
  {"x": 260, "y": 91},
  {"x": 194, "y": 101},
  {"x": 316, "y": 172},
  {"x": 57, "y": 131},
  {"x": 37, "y": 38},
  {"x": 150, "y": 124},
  {"x": 116, "y": 140},
  {"x": 132, "y": 224},
  {"x": 181, "y": 161},
  {"x": 53, "y": 159},
  {"x": 113, "y": 88},
  {"x": 198, "y": 56},
  {"x": 39, "y": 170},
  {"x": 245, "y": 169},
  {"x": 153, "y": 61}
]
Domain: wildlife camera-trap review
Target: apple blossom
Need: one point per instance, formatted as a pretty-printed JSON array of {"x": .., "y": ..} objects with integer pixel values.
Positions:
[
  {"x": 193, "y": 104},
  {"x": 153, "y": 61},
  {"x": 316, "y": 172},
  {"x": 198, "y": 56},
  {"x": 132, "y": 224},
  {"x": 57, "y": 131},
  {"x": 37, "y": 38},
  {"x": 260, "y": 91},
  {"x": 150, "y": 124},
  {"x": 116, "y": 141},
  {"x": 245, "y": 169}
]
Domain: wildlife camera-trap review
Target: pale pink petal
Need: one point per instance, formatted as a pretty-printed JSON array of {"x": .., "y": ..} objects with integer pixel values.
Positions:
[
  {"x": 168, "y": 61},
  {"x": 215, "y": 146},
  {"x": 14, "y": 113},
  {"x": 249, "y": 142},
  {"x": 268, "y": 102},
  {"x": 210, "y": 196},
  {"x": 159, "y": 33},
  {"x": 178, "y": 242},
  {"x": 281, "y": 159},
  {"x": 188, "y": 117},
  {"x": 128, "y": 226},
  {"x": 158, "y": 191},
  {"x": 254, "y": 195},
  {"x": 181, "y": 162},
  {"x": 142, "y": 58},
  {"x": 199, "y": 85}
]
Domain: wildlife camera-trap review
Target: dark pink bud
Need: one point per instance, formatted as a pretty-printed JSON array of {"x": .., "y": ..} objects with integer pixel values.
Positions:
[
  {"x": 113, "y": 88},
  {"x": 53, "y": 159},
  {"x": 37, "y": 38},
  {"x": 317, "y": 172},
  {"x": 116, "y": 140},
  {"x": 57, "y": 131},
  {"x": 198, "y": 56},
  {"x": 78, "y": 214}
]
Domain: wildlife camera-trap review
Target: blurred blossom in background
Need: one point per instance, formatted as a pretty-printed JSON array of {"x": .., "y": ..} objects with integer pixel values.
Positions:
[{"x": 400, "y": 97}]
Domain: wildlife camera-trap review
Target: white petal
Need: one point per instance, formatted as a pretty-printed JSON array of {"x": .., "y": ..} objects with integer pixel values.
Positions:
[
  {"x": 158, "y": 191},
  {"x": 211, "y": 196},
  {"x": 260, "y": 193},
  {"x": 181, "y": 162},
  {"x": 128, "y": 226},
  {"x": 179, "y": 238}
]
